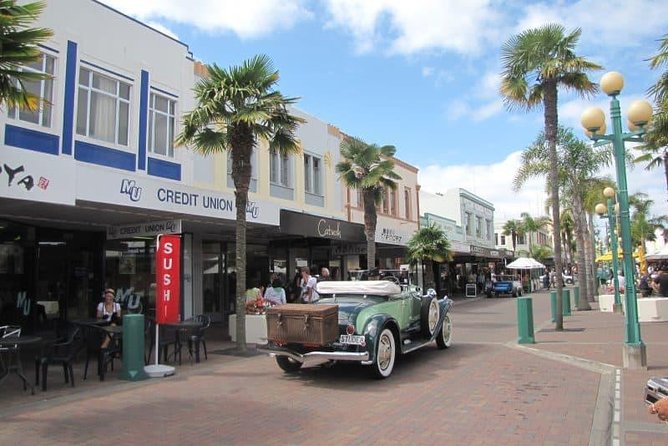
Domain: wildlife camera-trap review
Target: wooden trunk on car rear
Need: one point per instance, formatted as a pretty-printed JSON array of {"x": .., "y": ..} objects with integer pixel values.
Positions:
[{"x": 303, "y": 323}]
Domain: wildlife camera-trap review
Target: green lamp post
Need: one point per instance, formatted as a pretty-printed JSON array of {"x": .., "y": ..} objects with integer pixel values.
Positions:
[
  {"x": 607, "y": 211},
  {"x": 593, "y": 120}
]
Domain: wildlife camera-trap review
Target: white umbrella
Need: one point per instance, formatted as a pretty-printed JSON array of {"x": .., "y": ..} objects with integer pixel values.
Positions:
[
  {"x": 661, "y": 254},
  {"x": 525, "y": 263}
]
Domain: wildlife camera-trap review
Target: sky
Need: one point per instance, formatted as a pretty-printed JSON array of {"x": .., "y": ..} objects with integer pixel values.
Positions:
[{"x": 423, "y": 75}]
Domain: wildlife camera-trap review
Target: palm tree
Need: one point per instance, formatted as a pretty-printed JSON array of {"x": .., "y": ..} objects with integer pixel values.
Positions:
[
  {"x": 512, "y": 228},
  {"x": 236, "y": 109},
  {"x": 18, "y": 47},
  {"x": 567, "y": 229},
  {"x": 532, "y": 225},
  {"x": 536, "y": 63},
  {"x": 655, "y": 150},
  {"x": 540, "y": 252},
  {"x": 369, "y": 168},
  {"x": 429, "y": 243}
]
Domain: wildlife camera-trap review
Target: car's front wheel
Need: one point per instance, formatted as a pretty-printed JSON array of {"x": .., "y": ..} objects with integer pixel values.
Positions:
[
  {"x": 288, "y": 365},
  {"x": 444, "y": 338},
  {"x": 386, "y": 354}
]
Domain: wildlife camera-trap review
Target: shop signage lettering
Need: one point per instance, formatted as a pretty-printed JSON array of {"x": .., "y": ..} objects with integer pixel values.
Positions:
[
  {"x": 130, "y": 188},
  {"x": 325, "y": 229},
  {"x": 390, "y": 235},
  {"x": 23, "y": 303},
  {"x": 127, "y": 298},
  {"x": 144, "y": 229},
  {"x": 168, "y": 279},
  {"x": 25, "y": 180},
  {"x": 349, "y": 249}
]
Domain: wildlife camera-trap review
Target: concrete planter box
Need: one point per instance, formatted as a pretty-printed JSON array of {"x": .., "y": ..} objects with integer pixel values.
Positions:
[
  {"x": 256, "y": 328},
  {"x": 606, "y": 302},
  {"x": 653, "y": 309}
]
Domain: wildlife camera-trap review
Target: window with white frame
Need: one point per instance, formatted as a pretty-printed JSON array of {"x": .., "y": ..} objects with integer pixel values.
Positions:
[
  {"x": 161, "y": 125},
  {"x": 230, "y": 167},
  {"x": 407, "y": 203},
  {"x": 42, "y": 89},
  {"x": 103, "y": 108},
  {"x": 469, "y": 223},
  {"x": 488, "y": 230},
  {"x": 503, "y": 240},
  {"x": 313, "y": 174},
  {"x": 478, "y": 227},
  {"x": 279, "y": 169}
]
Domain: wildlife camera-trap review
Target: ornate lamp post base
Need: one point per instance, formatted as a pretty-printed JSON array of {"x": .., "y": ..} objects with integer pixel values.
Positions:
[
  {"x": 634, "y": 356},
  {"x": 617, "y": 308}
]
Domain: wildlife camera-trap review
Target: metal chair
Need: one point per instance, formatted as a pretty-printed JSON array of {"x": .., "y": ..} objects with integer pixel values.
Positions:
[
  {"x": 61, "y": 353},
  {"x": 196, "y": 336}
]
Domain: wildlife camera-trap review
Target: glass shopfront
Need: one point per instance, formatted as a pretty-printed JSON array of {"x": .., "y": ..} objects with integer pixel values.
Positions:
[{"x": 130, "y": 269}]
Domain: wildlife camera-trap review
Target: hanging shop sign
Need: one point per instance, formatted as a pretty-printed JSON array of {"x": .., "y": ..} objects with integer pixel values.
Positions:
[
  {"x": 27, "y": 175},
  {"x": 108, "y": 186},
  {"x": 168, "y": 279},
  {"x": 149, "y": 229},
  {"x": 349, "y": 249},
  {"x": 490, "y": 253},
  {"x": 320, "y": 227}
]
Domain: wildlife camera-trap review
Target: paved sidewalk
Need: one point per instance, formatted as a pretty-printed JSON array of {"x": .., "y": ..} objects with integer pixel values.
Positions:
[{"x": 597, "y": 338}]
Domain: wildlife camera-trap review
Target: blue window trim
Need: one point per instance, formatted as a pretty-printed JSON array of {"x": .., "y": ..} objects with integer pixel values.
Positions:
[
  {"x": 106, "y": 70},
  {"x": 143, "y": 119},
  {"x": 164, "y": 92},
  {"x": 104, "y": 156},
  {"x": 164, "y": 169},
  {"x": 31, "y": 139},
  {"x": 68, "y": 102}
]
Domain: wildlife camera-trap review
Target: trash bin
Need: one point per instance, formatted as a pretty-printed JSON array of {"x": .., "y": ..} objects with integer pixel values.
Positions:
[
  {"x": 553, "y": 305},
  {"x": 566, "y": 302},
  {"x": 133, "y": 348},
  {"x": 525, "y": 321}
]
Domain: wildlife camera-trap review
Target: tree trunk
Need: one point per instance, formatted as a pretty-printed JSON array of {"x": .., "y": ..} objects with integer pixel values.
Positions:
[
  {"x": 551, "y": 122},
  {"x": 580, "y": 225},
  {"x": 665, "y": 165},
  {"x": 370, "y": 221},
  {"x": 242, "y": 146}
]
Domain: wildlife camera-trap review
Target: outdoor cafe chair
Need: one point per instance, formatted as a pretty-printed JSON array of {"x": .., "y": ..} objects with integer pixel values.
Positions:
[
  {"x": 6, "y": 332},
  {"x": 169, "y": 336},
  {"x": 60, "y": 353},
  {"x": 196, "y": 336},
  {"x": 93, "y": 336}
]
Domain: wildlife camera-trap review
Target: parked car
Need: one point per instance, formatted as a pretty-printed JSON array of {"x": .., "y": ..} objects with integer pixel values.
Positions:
[
  {"x": 568, "y": 280},
  {"x": 506, "y": 284},
  {"x": 377, "y": 321}
]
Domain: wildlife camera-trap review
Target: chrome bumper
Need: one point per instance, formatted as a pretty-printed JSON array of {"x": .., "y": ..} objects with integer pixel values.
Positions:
[{"x": 331, "y": 356}]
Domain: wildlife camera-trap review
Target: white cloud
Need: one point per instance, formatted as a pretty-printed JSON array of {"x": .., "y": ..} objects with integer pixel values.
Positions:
[
  {"x": 462, "y": 27},
  {"x": 602, "y": 21},
  {"x": 247, "y": 19},
  {"x": 493, "y": 182},
  {"x": 428, "y": 71}
]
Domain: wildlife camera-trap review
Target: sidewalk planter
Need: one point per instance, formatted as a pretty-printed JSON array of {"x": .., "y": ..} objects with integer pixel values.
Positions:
[
  {"x": 606, "y": 302},
  {"x": 653, "y": 309},
  {"x": 256, "y": 328}
]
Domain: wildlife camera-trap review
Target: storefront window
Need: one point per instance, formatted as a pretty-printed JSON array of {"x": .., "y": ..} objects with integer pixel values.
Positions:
[{"x": 130, "y": 270}]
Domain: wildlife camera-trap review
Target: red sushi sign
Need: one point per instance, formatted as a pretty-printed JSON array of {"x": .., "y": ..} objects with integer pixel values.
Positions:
[{"x": 168, "y": 279}]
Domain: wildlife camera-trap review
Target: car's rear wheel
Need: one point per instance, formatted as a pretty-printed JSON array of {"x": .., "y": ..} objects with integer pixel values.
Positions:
[
  {"x": 444, "y": 338},
  {"x": 386, "y": 354},
  {"x": 288, "y": 364},
  {"x": 429, "y": 315}
]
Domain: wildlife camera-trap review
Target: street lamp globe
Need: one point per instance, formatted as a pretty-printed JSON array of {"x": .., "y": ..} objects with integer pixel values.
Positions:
[
  {"x": 640, "y": 112},
  {"x": 608, "y": 192},
  {"x": 631, "y": 126},
  {"x": 593, "y": 119},
  {"x": 612, "y": 83},
  {"x": 601, "y": 209}
]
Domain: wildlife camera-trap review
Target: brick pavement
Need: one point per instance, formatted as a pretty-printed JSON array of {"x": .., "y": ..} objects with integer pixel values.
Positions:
[{"x": 474, "y": 393}]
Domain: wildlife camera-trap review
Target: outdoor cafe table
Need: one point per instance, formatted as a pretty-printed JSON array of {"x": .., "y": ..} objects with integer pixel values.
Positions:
[{"x": 14, "y": 354}]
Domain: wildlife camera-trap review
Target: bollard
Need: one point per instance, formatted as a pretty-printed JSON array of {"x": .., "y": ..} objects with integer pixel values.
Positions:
[
  {"x": 553, "y": 305},
  {"x": 133, "y": 348},
  {"x": 566, "y": 298},
  {"x": 576, "y": 296},
  {"x": 525, "y": 321}
]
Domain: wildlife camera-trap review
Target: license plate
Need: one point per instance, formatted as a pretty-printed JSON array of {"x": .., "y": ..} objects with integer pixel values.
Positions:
[{"x": 352, "y": 340}]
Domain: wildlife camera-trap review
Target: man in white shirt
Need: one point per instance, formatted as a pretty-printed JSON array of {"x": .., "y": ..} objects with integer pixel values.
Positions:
[
  {"x": 621, "y": 280},
  {"x": 309, "y": 294}
]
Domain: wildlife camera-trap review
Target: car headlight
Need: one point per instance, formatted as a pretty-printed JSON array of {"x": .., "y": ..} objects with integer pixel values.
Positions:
[{"x": 371, "y": 329}]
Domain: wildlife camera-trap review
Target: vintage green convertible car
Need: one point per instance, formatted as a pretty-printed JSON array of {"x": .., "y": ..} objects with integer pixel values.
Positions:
[{"x": 377, "y": 320}]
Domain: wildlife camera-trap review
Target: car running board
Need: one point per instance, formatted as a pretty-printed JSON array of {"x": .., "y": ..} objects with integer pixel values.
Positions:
[{"x": 407, "y": 348}]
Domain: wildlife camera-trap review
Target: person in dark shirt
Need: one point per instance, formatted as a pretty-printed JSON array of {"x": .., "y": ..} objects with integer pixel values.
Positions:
[{"x": 663, "y": 284}]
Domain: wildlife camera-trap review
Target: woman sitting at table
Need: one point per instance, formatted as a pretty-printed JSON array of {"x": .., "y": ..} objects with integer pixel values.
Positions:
[{"x": 109, "y": 311}]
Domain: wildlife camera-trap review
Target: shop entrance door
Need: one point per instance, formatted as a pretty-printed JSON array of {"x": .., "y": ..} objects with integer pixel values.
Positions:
[{"x": 213, "y": 283}]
